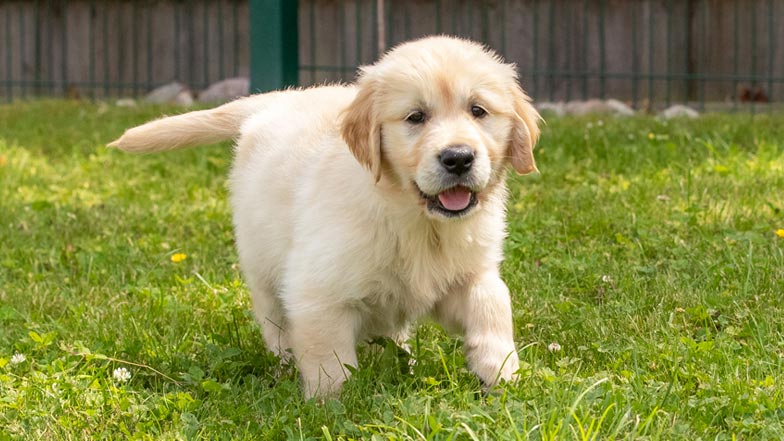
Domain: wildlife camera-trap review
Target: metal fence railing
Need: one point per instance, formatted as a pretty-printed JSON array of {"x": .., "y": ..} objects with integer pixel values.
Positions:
[{"x": 723, "y": 54}]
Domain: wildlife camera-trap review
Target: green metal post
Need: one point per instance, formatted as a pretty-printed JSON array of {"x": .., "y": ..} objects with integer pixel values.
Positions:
[{"x": 274, "y": 49}]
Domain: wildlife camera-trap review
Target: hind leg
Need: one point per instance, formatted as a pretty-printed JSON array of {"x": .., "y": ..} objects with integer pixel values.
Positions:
[{"x": 274, "y": 327}]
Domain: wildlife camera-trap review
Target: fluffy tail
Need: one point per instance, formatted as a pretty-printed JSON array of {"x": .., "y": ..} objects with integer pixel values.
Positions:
[{"x": 189, "y": 129}]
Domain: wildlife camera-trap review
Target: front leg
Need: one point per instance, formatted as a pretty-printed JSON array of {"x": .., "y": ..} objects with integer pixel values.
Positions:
[
  {"x": 481, "y": 310},
  {"x": 323, "y": 338}
]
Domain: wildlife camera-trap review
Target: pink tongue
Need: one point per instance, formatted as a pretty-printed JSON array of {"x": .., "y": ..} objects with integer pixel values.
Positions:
[{"x": 455, "y": 199}]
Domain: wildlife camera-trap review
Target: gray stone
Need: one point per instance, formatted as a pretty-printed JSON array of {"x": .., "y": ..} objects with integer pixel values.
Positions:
[
  {"x": 679, "y": 111},
  {"x": 599, "y": 107},
  {"x": 225, "y": 90},
  {"x": 172, "y": 93}
]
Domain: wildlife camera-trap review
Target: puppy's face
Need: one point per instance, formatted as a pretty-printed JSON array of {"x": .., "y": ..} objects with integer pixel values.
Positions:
[{"x": 441, "y": 118}]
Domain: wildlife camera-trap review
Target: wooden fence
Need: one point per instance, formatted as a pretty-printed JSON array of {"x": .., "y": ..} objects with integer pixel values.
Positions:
[{"x": 637, "y": 50}]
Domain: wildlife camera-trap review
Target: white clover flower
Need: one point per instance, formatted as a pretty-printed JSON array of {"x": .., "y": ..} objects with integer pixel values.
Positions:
[
  {"x": 607, "y": 279},
  {"x": 554, "y": 347},
  {"x": 121, "y": 374},
  {"x": 18, "y": 358}
]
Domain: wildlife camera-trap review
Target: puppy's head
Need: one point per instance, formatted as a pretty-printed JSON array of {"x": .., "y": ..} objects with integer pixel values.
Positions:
[{"x": 441, "y": 117}]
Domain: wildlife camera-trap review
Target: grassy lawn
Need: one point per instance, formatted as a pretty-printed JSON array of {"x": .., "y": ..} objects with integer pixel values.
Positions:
[{"x": 645, "y": 265}]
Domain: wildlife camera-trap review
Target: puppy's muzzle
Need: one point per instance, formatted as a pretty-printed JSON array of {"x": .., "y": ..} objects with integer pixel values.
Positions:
[{"x": 457, "y": 160}]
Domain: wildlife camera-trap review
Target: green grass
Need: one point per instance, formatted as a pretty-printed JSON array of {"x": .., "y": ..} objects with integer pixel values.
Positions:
[{"x": 647, "y": 250}]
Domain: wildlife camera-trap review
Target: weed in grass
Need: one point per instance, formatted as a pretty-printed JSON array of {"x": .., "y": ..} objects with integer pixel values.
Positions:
[{"x": 646, "y": 264}]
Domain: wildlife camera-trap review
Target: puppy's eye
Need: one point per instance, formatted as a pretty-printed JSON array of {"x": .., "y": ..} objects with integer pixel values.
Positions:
[
  {"x": 478, "y": 112},
  {"x": 417, "y": 117}
]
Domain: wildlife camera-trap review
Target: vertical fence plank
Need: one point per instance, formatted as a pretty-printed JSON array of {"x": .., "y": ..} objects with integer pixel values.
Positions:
[
  {"x": 389, "y": 31},
  {"x": 343, "y": 39},
  {"x": 439, "y": 26},
  {"x": 690, "y": 67},
  {"x": 771, "y": 49},
  {"x": 22, "y": 48},
  {"x": 503, "y": 26},
  {"x": 91, "y": 42},
  {"x": 754, "y": 48},
  {"x": 312, "y": 34},
  {"x": 221, "y": 61},
  {"x": 135, "y": 48},
  {"x": 8, "y": 75},
  {"x": 535, "y": 42},
  {"x": 236, "y": 19},
  {"x": 602, "y": 51},
  {"x": 651, "y": 54},
  {"x": 177, "y": 39},
  {"x": 191, "y": 33},
  {"x": 584, "y": 51},
  {"x": 376, "y": 37},
  {"x": 668, "y": 100},
  {"x": 635, "y": 76},
  {"x": 358, "y": 27},
  {"x": 551, "y": 57},
  {"x": 735, "y": 50},
  {"x": 753, "y": 18},
  {"x": 105, "y": 48},
  {"x": 64, "y": 46},
  {"x": 569, "y": 43},
  {"x": 150, "y": 58},
  {"x": 705, "y": 54},
  {"x": 485, "y": 23},
  {"x": 50, "y": 47},
  {"x": 206, "y": 47}
]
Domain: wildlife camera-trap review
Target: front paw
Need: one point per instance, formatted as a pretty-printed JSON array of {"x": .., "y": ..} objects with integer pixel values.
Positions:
[{"x": 493, "y": 364}]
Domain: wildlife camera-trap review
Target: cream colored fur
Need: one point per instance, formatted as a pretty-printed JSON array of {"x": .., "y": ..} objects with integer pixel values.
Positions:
[{"x": 336, "y": 241}]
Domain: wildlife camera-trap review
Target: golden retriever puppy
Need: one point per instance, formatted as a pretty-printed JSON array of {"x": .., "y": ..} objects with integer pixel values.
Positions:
[{"x": 360, "y": 208}]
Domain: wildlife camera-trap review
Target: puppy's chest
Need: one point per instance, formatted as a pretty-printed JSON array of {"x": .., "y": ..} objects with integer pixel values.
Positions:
[{"x": 419, "y": 275}]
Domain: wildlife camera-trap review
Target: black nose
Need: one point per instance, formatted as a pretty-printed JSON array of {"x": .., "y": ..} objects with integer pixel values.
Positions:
[{"x": 457, "y": 160}]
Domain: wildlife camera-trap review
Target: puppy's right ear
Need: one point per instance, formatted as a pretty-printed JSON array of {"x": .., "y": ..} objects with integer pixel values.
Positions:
[{"x": 361, "y": 130}]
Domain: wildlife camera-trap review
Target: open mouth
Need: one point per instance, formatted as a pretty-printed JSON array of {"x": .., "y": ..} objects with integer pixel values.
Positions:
[{"x": 452, "y": 202}]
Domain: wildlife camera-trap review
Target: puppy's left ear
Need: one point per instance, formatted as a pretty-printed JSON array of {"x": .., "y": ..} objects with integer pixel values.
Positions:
[
  {"x": 361, "y": 130},
  {"x": 525, "y": 133}
]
